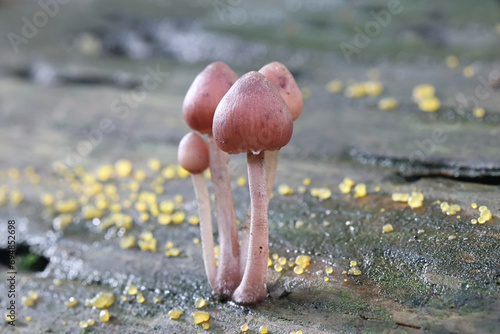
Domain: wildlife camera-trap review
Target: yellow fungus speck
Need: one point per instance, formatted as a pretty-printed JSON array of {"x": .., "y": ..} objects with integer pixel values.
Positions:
[
  {"x": 285, "y": 189},
  {"x": 33, "y": 295},
  {"x": 178, "y": 217},
  {"x": 373, "y": 88},
  {"x": 415, "y": 200},
  {"x": 175, "y": 314},
  {"x": 242, "y": 181},
  {"x": 360, "y": 190},
  {"x": 205, "y": 325},
  {"x": 102, "y": 300},
  {"x": 355, "y": 90},
  {"x": 27, "y": 318},
  {"x": 474, "y": 205},
  {"x": 131, "y": 289},
  {"x": 298, "y": 270},
  {"x": 324, "y": 193},
  {"x": 387, "y": 228},
  {"x": 123, "y": 167},
  {"x": 277, "y": 267},
  {"x": 334, "y": 86},
  {"x": 27, "y": 301},
  {"x": 326, "y": 279},
  {"x": 140, "y": 175},
  {"x": 301, "y": 189},
  {"x": 354, "y": 271},
  {"x": 72, "y": 301},
  {"x": 200, "y": 302},
  {"x": 83, "y": 324},
  {"x": 388, "y": 103},
  {"x": 400, "y": 197},
  {"x": 483, "y": 208},
  {"x": 469, "y": 72},
  {"x": 47, "y": 199},
  {"x": 263, "y": 330},
  {"x": 104, "y": 316},
  {"x": 430, "y": 104},
  {"x": 452, "y": 61},
  {"x": 478, "y": 112},
  {"x": 200, "y": 317},
  {"x": 353, "y": 263},
  {"x": 196, "y": 241},
  {"x": 299, "y": 224},
  {"x": 194, "y": 220},
  {"x": 154, "y": 164},
  {"x": 178, "y": 199},
  {"x": 329, "y": 270},
  {"x": 422, "y": 92},
  {"x": 140, "y": 298},
  {"x": 306, "y": 182},
  {"x": 104, "y": 173},
  {"x": 452, "y": 237},
  {"x": 244, "y": 328}
]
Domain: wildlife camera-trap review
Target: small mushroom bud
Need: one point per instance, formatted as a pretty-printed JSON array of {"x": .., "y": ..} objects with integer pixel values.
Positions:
[{"x": 193, "y": 156}]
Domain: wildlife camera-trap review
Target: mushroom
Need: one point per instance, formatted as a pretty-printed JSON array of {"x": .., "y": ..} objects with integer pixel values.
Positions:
[
  {"x": 193, "y": 156},
  {"x": 253, "y": 118},
  {"x": 281, "y": 77},
  {"x": 198, "y": 110},
  {"x": 284, "y": 81}
]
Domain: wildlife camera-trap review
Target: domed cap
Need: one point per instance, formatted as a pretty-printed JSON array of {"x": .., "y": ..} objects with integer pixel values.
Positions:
[
  {"x": 204, "y": 95},
  {"x": 281, "y": 77},
  {"x": 252, "y": 116},
  {"x": 193, "y": 153}
]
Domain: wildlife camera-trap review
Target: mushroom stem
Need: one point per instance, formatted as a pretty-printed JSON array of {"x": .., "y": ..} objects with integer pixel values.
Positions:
[
  {"x": 207, "y": 238},
  {"x": 253, "y": 285},
  {"x": 228, "y": 274},
  {"x": 271, "y": 165}
]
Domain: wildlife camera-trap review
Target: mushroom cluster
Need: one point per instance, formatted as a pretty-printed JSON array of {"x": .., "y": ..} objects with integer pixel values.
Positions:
[{"x": 254, "y": 115}]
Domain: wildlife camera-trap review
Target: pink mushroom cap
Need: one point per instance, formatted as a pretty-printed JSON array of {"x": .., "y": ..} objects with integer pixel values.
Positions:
[
  {"x": 204, "y": 95},
  {"x": 281, "y": 77},
  {"x": 252, "y": 116},
  {"x": 193, "y": 153}
]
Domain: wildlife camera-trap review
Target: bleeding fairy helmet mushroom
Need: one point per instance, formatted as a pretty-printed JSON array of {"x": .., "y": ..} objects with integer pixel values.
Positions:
[
  {"x": 198, "y": 110},
  {"x": 284, "y": 81},
  {"x": 193, "y": 156},
  {"x": 204, "y": 95},
  {"x": 252, "y": 118}
]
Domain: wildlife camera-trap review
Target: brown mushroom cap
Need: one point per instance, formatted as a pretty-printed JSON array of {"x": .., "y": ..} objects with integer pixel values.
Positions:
[
  {"x": 281, "y": 77},
  {"x": 204, "y": 95},
  {"x": 193, "y": 153},
  {"x": 252, "y": 116}
]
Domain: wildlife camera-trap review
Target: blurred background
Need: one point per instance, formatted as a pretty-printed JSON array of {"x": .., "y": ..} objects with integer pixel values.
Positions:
[{"x": 398, "y": 95}]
